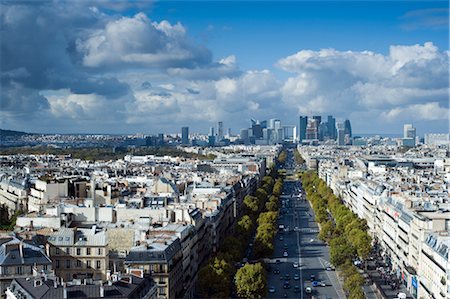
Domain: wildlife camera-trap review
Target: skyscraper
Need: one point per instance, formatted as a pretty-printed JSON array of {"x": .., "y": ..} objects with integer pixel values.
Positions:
[
  {"x": 348, "y": 128},
  {"x": 219, "y": 130},
  {"x": 185, "y": 135},
  {"x": 331, "y": 124},
  {"x": 211, "y": 131},
  {"x": 312, "y": 129},
  {"x": 409, "y": 131},
  {"x": 340, "y": 133},
  {"x": 302, "y": 128},
  {"x": 409, "y": 135}
]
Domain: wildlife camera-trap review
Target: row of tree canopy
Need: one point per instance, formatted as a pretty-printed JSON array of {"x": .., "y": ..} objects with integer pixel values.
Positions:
[
  {"x": 341, "y": 229},
  {"x": 215, "y": 279}
]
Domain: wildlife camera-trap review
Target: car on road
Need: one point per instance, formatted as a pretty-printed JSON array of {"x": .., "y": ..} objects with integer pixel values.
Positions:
[
  {"x": 287, "y": 276},
  {"x": 281, "y": 238},
  {"x": 296, "y": 276},
  {"x": 272, "y": 289},
  {"x": 323, "y": 284},
  {"x": 308, "y": 290},
  {"x": 329, "y": 268},
  {"x": 276, "y": 271},
  {"x": 286, "y": 285},
  {"x": 315, "y": 283},
  {"x": 285, "y": 254},
  {"x": 277, "y": 261},
  {"x": 296, "y": 289},
  {"x": 295, "y": 265},
  {"x": 312, "y": 277}
]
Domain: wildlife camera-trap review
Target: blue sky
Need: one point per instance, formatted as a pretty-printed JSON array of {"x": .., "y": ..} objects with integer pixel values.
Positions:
[
  {"x": 260, "y": 32},
  {"x": 141, "y": 66}
]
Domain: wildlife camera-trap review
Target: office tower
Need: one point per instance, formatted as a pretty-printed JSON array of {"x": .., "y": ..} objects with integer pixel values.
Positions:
[
  {"x": 312, "y": 129},
  {"x": 277, "y": 124},
  {"x": 211, "y": 140},
  {"x": 264, "y": 124},
  {"x": 409, "y": 135},
  {"x": 272, "y": 123},
  {"x": 160, "y": 139},
  {"x": 323, "y": 131},
  {"x": 409, "y": 131},
  {"x": 348, "y": 128},
  {"x": 340, "y": 133},
  {"x": 229, "y": 133},
  {"x": 211, "y": 131},
  {"x": 302, "y": 128},
  {"x": 318, "y": 118},
  {"x": 331, "y": 124},
  {"x": 257, "y": 131},
  {"x": 185, "y": 135},
  {"x": 244, "y": 135},
  {"x": 219, "y": 130}
]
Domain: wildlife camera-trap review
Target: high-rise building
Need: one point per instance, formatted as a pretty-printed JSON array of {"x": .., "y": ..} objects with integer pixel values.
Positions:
[
  {"x": 409, "y": 135},
  {"x": 302, "y": 128},
  {"x": 211, "y": 131},
  {"x": 219, "y": 130},
  {"x": 312, "y": 130},
  {"x": 340, "y": 133},
  {"x": 318, "y": 118},
  {"x": 348, "y": 128},
  {"x": 323, "y": 131},
  {"x": 185, "y": 135},
  {"x": 331, "y": 125},
  {"x": 257, "y": 131},
  {"x": 409, "y": 131}
]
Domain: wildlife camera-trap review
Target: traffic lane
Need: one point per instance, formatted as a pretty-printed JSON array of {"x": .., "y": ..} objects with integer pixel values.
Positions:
[{"x": 314, "y": 253}]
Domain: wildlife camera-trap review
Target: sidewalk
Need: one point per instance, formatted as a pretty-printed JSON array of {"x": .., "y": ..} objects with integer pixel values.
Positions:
[{"x": 384, "y": 287}]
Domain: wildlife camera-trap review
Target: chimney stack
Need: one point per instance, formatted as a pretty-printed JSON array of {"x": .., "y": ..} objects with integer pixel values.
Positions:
[{"x": 21, "y": 249}]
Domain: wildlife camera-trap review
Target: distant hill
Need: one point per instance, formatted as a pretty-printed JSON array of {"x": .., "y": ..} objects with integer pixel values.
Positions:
[{"x": 9, "y": 133}]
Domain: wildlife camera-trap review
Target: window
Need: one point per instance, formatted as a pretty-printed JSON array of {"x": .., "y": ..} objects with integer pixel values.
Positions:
[
  {"x": 99, "y": 251},
  {"x": 19, "y": 270},
  {"x": 45, "y": 267},
  {"x": 57, "y": 264},
  {"x": 88, "y": 251},
  {"x": 68, "y": 251},
  {"x": 99, "y": 264},
  {"x": 56, "y": 250},
  {"x": 88, "y": 264},
  {"x": 78, "y": 264},
  {"x": 78, "y": 251},
  {"x": 67, "y": 264}
]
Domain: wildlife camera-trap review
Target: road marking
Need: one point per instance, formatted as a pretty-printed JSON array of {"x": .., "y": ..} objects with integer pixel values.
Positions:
[
  {"x": 300, "y": 265},
  {"x": 339, "y": 289}
]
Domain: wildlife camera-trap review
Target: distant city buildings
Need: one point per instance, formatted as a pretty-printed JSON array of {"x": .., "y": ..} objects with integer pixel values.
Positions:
[{"x": 185, "y": 135}]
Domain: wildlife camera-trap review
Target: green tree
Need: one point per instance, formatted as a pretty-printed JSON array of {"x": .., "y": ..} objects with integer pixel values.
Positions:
[
  {"x": 326, "y": 231},
  {"x": 271, "y": 206},
  {"x": 356, "y": 293},
  {"x": 354, "y": 281},
  {"x": 251, "y": 203},
  {"x": 215, "y": 278},
  {"x": 340, "y": 251},
  {"x": 251, "y": 281},
  {"x": 245, "y": 225}
]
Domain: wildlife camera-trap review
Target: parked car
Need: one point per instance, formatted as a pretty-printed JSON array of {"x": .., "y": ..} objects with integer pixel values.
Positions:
[
  {"x": 308, "y": 290},
  {"x": 272, "y": 289}
]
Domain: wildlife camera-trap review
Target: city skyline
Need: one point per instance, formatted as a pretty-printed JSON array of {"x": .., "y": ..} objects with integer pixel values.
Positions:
[{"x": 125, "y": 67}]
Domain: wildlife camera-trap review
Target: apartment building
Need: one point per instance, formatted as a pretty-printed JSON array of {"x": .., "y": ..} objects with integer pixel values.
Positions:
[
  {"x": 19, "y": 259},
  {"x": 79, "y": 253},
  {"x": 162, "y": 258}
]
